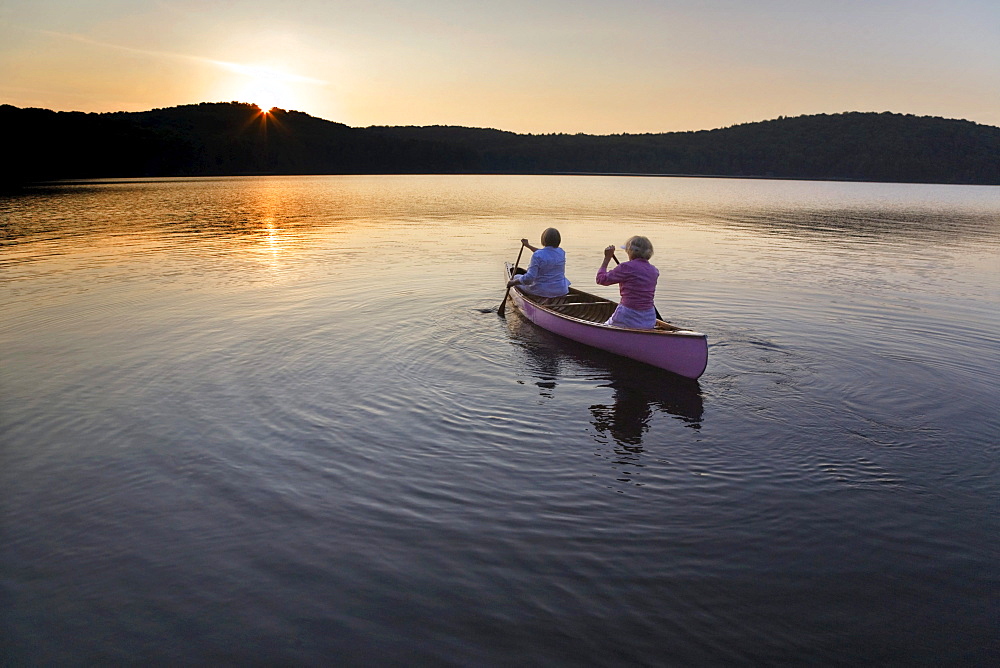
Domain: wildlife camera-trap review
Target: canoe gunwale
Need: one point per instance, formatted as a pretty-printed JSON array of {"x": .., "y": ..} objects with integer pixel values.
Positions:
[
  {"x": 662, "y": 327},
  {"x": 680, "y": 351}
]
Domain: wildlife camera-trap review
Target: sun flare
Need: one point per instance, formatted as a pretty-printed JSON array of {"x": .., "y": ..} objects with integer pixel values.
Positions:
[
  {"x": 268, "y": 87},
  {"x": 265, "y": 94},
  {"x": 265, "y": 87}
]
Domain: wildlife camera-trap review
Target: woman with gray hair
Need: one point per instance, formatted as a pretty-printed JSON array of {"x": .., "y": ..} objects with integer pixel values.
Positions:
[{"x": 636, "y": 281}]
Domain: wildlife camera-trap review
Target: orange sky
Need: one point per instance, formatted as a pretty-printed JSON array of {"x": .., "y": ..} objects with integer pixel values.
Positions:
[{"x": 594, "y": 66}]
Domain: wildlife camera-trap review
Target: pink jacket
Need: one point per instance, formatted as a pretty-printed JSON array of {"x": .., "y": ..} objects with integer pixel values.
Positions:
[{"x": 636, "y": 282}]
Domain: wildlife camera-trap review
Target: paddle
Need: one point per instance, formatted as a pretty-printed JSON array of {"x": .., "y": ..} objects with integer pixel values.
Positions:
[
  {"x": 503, "y": 304},
  {"x": 658, "y": 317}
]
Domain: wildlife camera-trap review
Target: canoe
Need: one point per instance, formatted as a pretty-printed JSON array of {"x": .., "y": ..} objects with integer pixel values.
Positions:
[{"x": 580, "y": 316}]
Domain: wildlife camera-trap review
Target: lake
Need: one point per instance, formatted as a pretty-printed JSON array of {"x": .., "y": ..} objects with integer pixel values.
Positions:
[{"x": 277, "y": 420}]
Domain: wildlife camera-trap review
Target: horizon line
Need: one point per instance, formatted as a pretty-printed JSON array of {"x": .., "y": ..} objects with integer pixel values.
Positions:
[{"x": 476, "y": 127}]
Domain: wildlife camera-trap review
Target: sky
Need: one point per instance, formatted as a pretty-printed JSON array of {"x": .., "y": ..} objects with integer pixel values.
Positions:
[{"x": 527, "y": 66}]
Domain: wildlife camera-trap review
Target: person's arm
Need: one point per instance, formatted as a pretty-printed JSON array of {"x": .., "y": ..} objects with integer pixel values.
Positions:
[
  {"x": 524, "y": 242},
  {"x": 528, "y": 277},
  {"x": 604, "y": 277}
]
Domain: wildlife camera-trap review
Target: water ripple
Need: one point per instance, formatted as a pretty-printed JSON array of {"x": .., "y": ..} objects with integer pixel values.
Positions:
[{"x": 277, "y": 420}]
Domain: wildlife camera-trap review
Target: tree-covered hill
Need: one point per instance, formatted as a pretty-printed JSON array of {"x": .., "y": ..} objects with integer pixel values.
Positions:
[
  {"x": 849, "y": 146},
  {"x": 236, "y": 138},
  {"x": 204, "y": 139}
]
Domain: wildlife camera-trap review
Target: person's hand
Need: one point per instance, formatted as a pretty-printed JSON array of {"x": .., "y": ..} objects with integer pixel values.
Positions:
[
  {"x": 609, "y": 253},
  {"x": 524, "y": 242}
]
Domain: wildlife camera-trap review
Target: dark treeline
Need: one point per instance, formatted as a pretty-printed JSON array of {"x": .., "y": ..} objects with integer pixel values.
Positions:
[
  {"x": 236, "y": 138},
  {"x": 205, "y": 140}
]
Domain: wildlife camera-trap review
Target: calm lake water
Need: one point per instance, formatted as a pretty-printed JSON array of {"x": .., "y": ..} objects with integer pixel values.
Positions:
[{"x": 278, "y": 421}]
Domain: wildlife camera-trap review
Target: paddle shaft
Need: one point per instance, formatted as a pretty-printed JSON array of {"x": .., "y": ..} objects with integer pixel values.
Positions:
[
  {"x": 654, "y": 305},
  {"x": 503, "y": 305}
]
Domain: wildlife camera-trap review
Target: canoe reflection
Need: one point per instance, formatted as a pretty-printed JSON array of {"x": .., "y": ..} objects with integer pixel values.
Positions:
[
  {"x": 635, "y": 401},
  {"x": 639, "y": 390}
]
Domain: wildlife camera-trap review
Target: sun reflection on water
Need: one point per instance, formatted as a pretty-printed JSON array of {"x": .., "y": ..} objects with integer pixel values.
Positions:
[{"x": 272, "y": 245}]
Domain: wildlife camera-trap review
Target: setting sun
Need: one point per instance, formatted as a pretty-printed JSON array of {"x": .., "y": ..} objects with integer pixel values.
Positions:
[
  {"x": 265, "y": 91},
  {"x": 268, "y": 87}
]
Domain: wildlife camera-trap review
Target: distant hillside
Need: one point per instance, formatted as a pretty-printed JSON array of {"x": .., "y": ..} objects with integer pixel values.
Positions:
[
  {"x": 236, "y": 138},
  {"x": 203, "y": 140},
  {"x": 849, "y": 146}
]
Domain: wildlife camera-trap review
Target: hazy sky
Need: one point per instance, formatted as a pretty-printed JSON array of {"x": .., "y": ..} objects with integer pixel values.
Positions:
[{"x": 594, "y": 66}]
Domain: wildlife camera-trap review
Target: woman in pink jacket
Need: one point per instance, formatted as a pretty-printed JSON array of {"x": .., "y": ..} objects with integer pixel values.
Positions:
[{"x": 636, "y": 281}]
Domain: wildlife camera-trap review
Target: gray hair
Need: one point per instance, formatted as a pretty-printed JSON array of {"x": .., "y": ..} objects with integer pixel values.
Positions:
[{"x": 640, "y": 247}]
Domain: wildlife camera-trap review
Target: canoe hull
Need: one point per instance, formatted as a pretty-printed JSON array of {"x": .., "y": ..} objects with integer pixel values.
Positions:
[{"x": 679, "y": 351}]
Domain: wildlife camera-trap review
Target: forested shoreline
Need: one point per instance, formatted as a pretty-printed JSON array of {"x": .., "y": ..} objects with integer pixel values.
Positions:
[{"x": 211, "y": 139}]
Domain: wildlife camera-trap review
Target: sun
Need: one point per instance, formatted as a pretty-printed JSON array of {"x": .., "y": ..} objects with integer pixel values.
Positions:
[
  {"x": 266, "y": 88},
  {"x": 264, "y": 95}
]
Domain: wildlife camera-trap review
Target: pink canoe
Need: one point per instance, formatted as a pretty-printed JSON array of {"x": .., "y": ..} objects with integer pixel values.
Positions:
[{"x": 580, "y": 316}]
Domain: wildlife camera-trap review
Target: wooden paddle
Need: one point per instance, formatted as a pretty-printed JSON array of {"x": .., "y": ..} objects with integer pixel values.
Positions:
[
  {"x": 503, "y": 305},
  {"x": 658, "y": 317}
]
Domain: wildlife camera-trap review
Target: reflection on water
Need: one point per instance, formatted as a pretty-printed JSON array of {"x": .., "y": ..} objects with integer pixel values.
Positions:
[
  {"x": 638, "y": 390},
  {"x": 277, "y": 420},
  {"x": 638, "y": 394},
  {"x": 636, "y": 398},
  {"x": 848, "y": 226}
]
